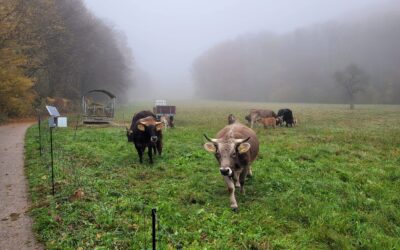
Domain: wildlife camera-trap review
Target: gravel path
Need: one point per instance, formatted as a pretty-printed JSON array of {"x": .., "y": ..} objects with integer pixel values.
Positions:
[{"x": 15, "y": 224}]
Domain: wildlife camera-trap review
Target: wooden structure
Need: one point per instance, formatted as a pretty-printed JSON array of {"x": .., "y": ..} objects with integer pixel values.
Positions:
[{"x": 98, "y": 111}]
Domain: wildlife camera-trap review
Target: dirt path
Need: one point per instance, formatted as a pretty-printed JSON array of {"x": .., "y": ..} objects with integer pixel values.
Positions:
[{"x": 15, "y": 224}]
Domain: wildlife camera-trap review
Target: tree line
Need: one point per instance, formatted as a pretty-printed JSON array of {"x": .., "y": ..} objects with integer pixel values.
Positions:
[
  {"x": 311, "y": 64},
  {"x": 56, "y": 48}
]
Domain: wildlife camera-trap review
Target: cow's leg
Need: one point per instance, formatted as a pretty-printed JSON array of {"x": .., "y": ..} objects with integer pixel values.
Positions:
[
  {"x": 231, "y": 189},
  {"x": 150, "y": 153},
  {"x": 252, "y": 118},
  {"x": 250, "y": 172},
  {"x": 242, "y": 178},
  {"x": 236, "y": 175},
  {"x": 139, "y": 149}
]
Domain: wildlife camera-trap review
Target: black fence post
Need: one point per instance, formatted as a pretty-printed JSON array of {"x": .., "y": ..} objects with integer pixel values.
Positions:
[
  {"x": 154, "y": 219},
  {"x": 76, "y": 125},
  {"x": 52, "y": 162},
  {"x": 40, "y": 136}
]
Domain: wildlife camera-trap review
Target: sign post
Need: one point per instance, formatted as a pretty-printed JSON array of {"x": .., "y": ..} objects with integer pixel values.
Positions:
[
  {"x": 54, "y": 114},
  {"x": 52, "y": 161}
]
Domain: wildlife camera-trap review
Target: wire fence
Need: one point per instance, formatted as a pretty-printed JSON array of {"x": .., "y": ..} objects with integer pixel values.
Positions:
[{"x": 151, "y": 233}]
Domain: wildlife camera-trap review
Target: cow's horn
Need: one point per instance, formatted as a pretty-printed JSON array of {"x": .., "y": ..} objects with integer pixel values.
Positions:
[
  {"x": 242, "y": 140},
  {"x": 209, "y": 139}
]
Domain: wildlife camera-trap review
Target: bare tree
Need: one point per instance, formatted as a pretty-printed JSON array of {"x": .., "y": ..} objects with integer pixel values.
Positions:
[{"x": 353, "y": 80}]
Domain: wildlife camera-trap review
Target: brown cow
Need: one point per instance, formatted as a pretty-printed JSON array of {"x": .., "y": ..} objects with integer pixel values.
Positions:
[
  {"x": 256, "y": 115},
  {"x": 269, "y": 121},
  {"x": 235, "y": 147},
  {"x": 164, "y": 119}
]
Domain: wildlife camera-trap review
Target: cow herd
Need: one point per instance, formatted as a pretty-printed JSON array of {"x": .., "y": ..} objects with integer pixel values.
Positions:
[
  {"x": 235, "y": 146},
  {"x": 269, "y": 118}
]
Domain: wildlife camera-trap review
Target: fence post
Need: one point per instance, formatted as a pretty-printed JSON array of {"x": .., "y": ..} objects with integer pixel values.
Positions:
[
  {"x": 40, "y": 136},
  {"x": 76, "y": 125},
  {"x": 154, "y": 219},
  {"x": 52, "y": 162}
]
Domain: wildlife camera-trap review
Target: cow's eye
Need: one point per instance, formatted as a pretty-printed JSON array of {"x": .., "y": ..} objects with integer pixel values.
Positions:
[
  {"x": 234, "y": 154},
  {"x": 218, "y": 155}
]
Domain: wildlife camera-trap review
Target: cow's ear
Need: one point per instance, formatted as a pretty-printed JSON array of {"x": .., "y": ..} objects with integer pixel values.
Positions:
[
  {"x": 210, "y": 147},
  {"x": 159, "y": 126},
  {"x": 244, "y": 147},
  {"x": 141, "y": 127}
]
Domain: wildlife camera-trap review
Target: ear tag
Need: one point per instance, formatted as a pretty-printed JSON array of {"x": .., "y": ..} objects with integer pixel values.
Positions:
[
  {"x": 244, "y": 147},
  {"x": 210, "y": 147}
]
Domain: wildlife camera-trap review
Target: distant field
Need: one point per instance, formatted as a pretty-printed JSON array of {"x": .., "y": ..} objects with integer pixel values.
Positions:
[{"x": 331, "y": 183}]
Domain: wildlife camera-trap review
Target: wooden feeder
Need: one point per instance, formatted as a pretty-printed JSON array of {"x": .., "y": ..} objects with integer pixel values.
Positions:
[{"x": 98, "y": 106}]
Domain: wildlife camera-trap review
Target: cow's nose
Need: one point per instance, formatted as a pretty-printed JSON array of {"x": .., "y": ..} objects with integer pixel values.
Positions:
[
  {"x": 153, "y": 138},
  {"x": 224, "y": 171}
]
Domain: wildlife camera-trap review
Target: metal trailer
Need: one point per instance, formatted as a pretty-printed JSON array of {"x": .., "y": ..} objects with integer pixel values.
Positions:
[
  {"x": 98, "y": 112},
  {"x": 162, "y": 109}
]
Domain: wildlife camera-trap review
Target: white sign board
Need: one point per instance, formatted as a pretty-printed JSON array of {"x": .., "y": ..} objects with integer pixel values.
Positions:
[{"x": 62, "y": 122}]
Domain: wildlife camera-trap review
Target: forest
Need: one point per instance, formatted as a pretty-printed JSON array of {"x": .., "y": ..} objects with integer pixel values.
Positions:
[
  {"x": 56, "y": 49},
  {"x": 305, "y": 65}
]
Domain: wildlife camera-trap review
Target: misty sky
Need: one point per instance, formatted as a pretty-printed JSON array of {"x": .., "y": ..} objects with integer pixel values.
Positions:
[{"x": 167, "y": 35}]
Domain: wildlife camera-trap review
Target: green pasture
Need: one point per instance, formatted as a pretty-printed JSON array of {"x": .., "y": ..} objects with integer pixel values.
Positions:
[{"x": 333, "y": 182}]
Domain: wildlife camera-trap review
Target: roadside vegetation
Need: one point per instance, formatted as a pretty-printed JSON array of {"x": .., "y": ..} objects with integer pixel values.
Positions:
[
  {"x": 49, "y": 54},
  {"x": 331, "y": 182}
]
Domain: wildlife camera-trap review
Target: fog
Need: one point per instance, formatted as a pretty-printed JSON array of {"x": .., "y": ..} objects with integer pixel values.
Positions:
[{"x": 166, "y": 37}]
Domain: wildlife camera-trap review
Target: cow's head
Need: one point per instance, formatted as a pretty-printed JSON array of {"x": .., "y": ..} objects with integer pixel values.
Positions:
[
  {"x": 129, "y": 134},
  {"x": 227, "y": 152},
  {"x": 150, "y": 126},
  {"x": 279, "y": 120},
  {"x": 164, "y": 120},
  {"x": 248, "y": 118},
  {"x": 231, "y": 119}
]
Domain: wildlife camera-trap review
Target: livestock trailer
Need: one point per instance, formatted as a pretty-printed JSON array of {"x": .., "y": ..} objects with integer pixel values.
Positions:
[
  {"x": 98, "y": 106},
  {"x": 162, "y": 109}
]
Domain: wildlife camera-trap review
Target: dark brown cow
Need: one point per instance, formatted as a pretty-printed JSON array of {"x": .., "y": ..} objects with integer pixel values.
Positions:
[
  {"x": 235, "y": 147},
  {"x": 145, "y": 132},
  {"x": 287, "y": 116}
]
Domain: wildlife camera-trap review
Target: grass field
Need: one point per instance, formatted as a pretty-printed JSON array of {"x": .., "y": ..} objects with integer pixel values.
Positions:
[{"x": 333, "y": 182}]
